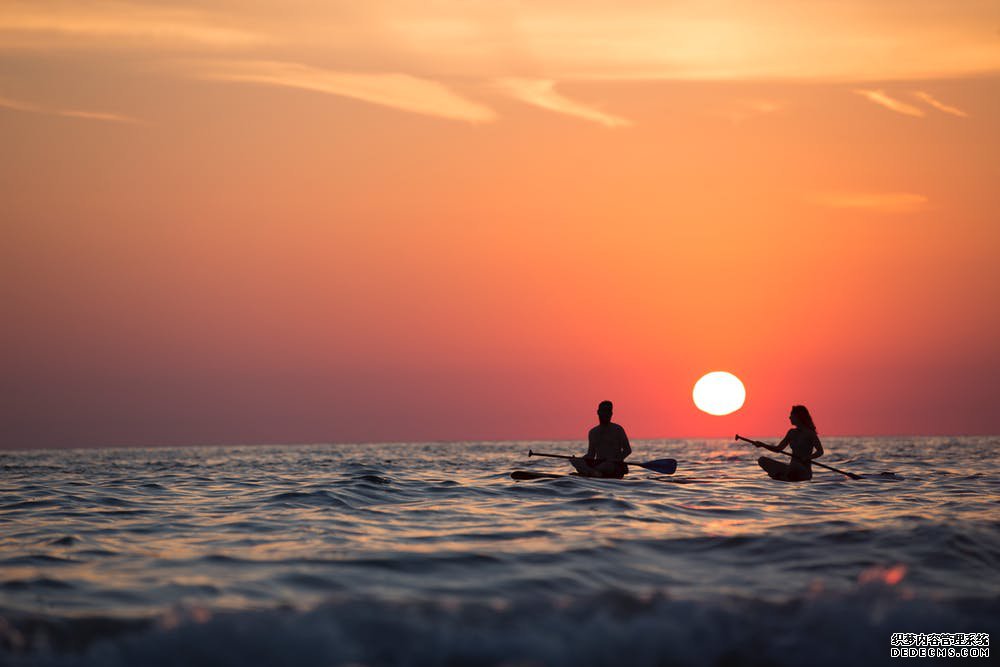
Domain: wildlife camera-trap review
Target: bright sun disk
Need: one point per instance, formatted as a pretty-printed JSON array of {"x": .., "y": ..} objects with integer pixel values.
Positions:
[{"x": 719, "y": 393}]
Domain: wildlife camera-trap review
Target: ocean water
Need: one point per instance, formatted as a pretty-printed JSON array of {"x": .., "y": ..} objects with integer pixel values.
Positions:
[{"x": 429, "y": 554}]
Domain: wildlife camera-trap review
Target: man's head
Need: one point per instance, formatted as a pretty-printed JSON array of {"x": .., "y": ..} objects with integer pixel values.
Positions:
[{"x": 604, "y": 410}]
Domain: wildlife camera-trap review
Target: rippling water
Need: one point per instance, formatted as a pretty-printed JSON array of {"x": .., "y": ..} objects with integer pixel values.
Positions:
[{"x": 414, "y": 554}]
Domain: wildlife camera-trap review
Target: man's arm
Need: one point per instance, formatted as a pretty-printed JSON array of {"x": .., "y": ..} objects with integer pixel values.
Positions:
[
  {"x": 626, "y": 447},
  {"x": 591, "y": 445}
]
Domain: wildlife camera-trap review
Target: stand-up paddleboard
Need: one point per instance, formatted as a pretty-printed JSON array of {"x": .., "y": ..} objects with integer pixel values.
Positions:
[
  {"x": 772, "y": 448},
  {"x": 662, "y": 466},
  {"x": 777, "y": 469},
  {"x": 526, "y": 474}
]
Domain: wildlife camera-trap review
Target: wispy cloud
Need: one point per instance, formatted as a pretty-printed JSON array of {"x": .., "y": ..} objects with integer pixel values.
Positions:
[
  {"x": 542, "y": 93},
  {"x": 850, "y": 40},
  {"x": 880, "y": 98},
  {"x": 744, "y": 109},
  {"x": 112, "y": 24},
  {"x": 563, "y": 40},
  {"x": 889, "y": 202},
  {"x": 18, "y": 105},
  {"x": 28, "y": 107},
  {"x": 940, "y": 106},
  {"x": 399, "y": 91},
  {"x": 97, "y": 115}
]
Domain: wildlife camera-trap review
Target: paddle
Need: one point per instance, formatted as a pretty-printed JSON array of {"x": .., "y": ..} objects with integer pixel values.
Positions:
[
  {"x": 757, "y": 443},
  {"x": 664, "y": 466}
]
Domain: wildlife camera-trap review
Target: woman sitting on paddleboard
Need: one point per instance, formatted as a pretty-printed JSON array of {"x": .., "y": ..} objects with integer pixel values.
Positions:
[{"x": 805, "y": 447}]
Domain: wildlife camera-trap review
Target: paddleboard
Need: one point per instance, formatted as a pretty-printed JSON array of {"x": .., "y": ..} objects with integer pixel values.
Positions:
[{"x": 525, "y": 474}]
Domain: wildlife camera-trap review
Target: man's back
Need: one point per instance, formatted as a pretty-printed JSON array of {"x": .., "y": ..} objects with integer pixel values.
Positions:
[{"x": 608, "y": 442}]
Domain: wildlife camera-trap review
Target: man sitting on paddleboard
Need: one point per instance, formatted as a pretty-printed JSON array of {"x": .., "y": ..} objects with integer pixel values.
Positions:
[
  {"x": 607, "y": 449},
  {"x": 805, "y": 447}
]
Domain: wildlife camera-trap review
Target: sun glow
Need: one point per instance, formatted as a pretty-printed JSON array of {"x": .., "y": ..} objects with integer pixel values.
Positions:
[{"x": 719, "y": 393}]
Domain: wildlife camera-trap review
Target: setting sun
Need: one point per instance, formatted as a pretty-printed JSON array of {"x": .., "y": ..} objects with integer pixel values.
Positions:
[{"x": 719, "y": 393}]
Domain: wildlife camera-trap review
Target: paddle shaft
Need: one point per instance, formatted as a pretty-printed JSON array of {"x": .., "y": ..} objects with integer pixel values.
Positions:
[
  {"x": 757, "y": 443},
  {"x": 656, "y": 466},
  {"x": 563, "y": 456}
]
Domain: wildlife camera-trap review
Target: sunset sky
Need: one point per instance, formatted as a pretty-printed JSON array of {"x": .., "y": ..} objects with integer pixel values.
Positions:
[{"x": 263, "y": 221}]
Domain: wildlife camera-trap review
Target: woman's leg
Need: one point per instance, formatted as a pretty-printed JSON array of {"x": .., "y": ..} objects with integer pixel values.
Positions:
[{"x": 776, "y": 469}]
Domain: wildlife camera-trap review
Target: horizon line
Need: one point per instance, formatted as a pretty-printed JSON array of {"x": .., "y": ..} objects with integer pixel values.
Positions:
[{"x": 444, "y": 441}]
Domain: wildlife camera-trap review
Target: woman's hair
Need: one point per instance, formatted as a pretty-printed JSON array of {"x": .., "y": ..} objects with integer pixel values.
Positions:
[{"x": 804, "y": 417}]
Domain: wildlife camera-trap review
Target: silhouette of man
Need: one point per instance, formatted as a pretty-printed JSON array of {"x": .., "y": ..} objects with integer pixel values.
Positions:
[{"x": 607, "y": 448}]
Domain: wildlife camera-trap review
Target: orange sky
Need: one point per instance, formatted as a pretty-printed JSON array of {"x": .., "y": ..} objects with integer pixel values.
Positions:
[{"x": 337, "y": 221}]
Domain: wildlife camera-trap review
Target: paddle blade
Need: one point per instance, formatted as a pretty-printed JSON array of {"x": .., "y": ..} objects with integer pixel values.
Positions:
[{"x": 663, "y": 466}]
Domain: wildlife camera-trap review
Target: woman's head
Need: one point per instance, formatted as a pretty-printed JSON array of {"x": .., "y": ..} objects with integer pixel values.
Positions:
[{"x": 800, "y": 417}]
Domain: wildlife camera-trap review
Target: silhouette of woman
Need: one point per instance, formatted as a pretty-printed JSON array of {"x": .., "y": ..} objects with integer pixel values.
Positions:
[{"x": 805, "y": 447}]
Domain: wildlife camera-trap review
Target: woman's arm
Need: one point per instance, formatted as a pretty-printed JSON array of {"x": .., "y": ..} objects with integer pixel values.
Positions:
[
  {"x": 784, "y": 441},
  {"x": 818, "y": 452}
]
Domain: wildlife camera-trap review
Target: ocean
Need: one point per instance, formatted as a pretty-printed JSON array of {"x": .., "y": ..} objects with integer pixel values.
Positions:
[{"x": 429, "y": 554}]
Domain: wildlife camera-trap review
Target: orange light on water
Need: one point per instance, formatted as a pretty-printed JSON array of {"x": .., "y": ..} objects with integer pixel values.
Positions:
[{"x": 890, "y": 576}]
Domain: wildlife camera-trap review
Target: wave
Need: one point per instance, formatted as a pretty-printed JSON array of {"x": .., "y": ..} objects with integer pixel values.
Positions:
[
  {"x": 611, "y": 628},
  {"x": 307, "y": 498}
]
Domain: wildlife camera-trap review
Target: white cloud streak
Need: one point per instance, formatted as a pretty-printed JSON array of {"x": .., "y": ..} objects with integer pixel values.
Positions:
[
  {"x": 940, "y": 106},
  {"x": 398, "y": 91},
  {"x": 114, "y": 24},
  {"x": 852, "y": 40},
  {"x": 742, "y": 110},
  {"x": 541, "y": 93},
  {"x": 527, "y": 47},
  {"x": 104, "y": 116},
  {"x": 880, "y": 98}
]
